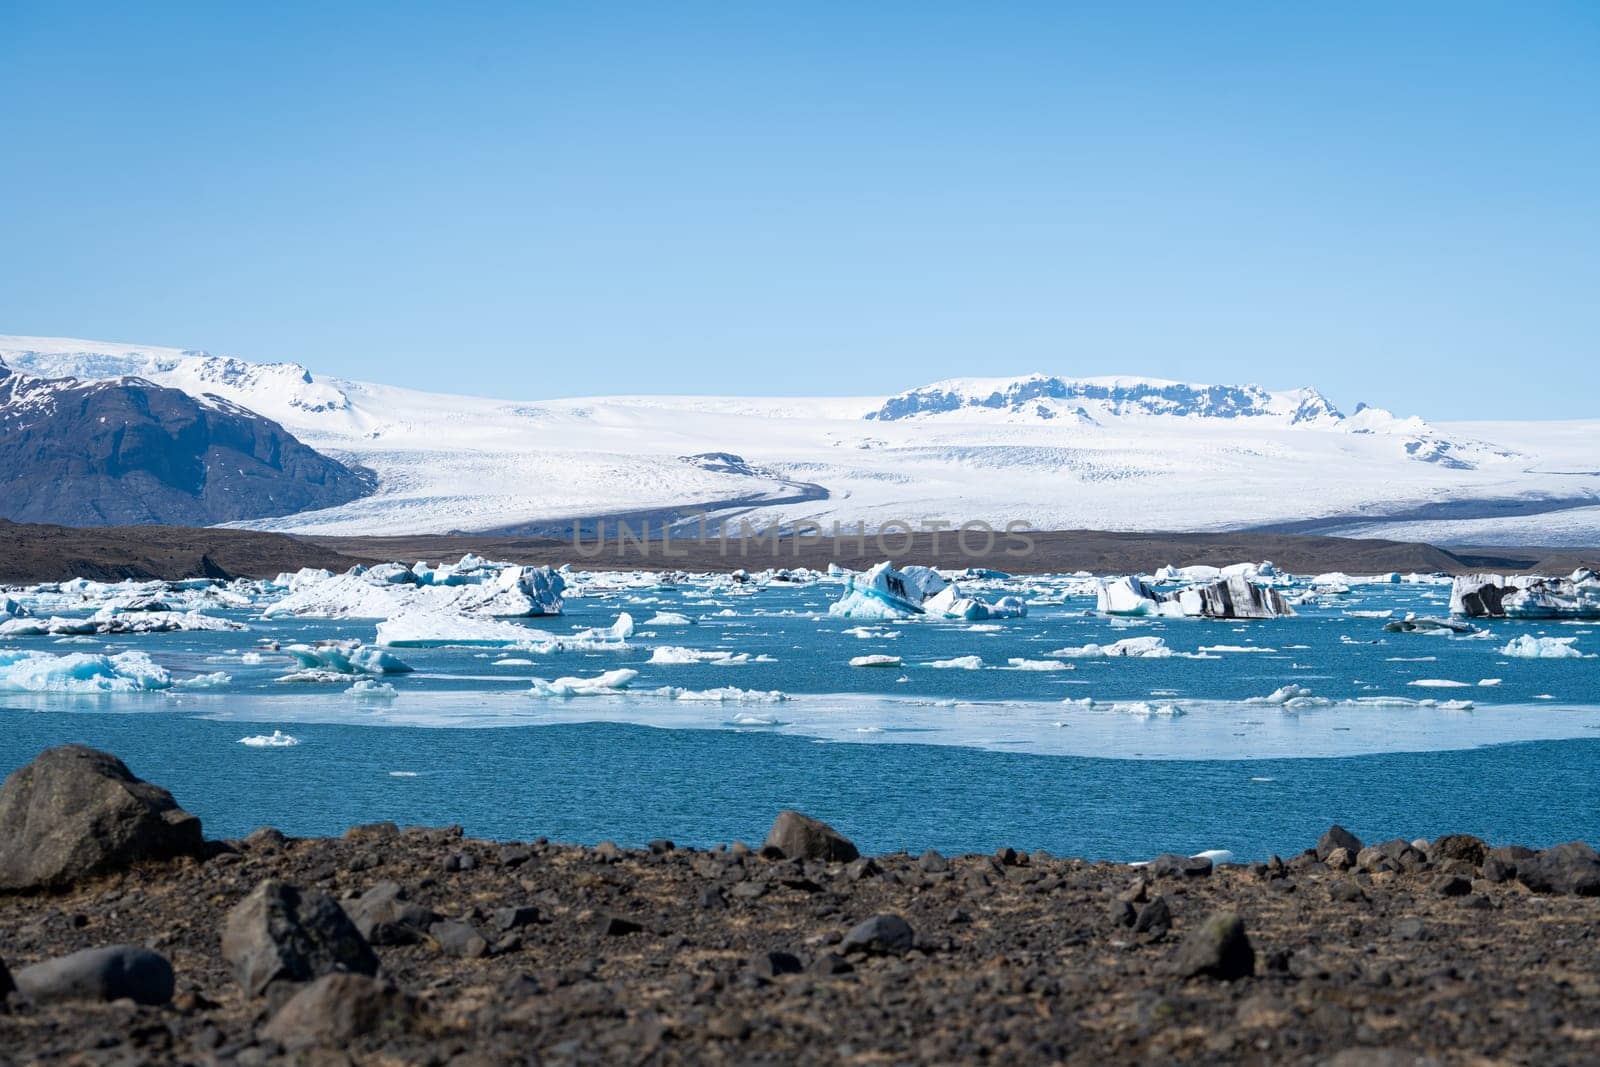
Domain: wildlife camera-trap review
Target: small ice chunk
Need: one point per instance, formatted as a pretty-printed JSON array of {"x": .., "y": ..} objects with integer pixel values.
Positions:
[
  {"x": 875, "y": 661},
  {"x": 1529, "y": 647},
  {"x": 959, "y": 663},
  {"x": 276, "y": 739}
]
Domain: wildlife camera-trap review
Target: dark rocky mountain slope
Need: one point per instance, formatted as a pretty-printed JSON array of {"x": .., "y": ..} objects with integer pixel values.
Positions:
[{"x": 126, "y": 451}]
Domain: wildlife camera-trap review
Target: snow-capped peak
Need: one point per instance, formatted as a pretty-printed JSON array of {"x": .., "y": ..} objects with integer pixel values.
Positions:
[{"x": 280, "y": 391}]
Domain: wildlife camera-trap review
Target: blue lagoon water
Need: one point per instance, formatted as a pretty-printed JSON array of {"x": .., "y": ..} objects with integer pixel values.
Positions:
[{"x": 1104, "y": 757}]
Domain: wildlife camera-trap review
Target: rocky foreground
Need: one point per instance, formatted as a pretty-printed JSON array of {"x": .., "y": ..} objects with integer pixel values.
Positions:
[{"x": 127, "y": 938}]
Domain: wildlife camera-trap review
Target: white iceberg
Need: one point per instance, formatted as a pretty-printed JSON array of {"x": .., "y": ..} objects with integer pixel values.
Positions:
[
  {"x": 276, "y": 739},
  {"x": 959, "y": 663},
  {"x": 601, "y": 685},
  {"x": 1140, "y": 647},
  {"x": 875, "y": 661},
  {"x": 471, "y": 587},
  {"x": 1529, "y": 647}
]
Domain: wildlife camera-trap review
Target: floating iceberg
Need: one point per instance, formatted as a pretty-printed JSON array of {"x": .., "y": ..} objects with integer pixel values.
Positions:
[
  {"x": 875, "y": 661},
  {"x": 79, "y": 672},
  {"x": 1142, "y": 647},
  {"x": 1414, "y": 624},
  {"x": 471, "y": 587},
  {"x": 214, "y": 680},
  {"x": 422, "y": 628},
  {"x": 1017, "y": 663},
  {"x": 372, "y": 689},
  {"x": 116, "y": 621},
  {"x": 601, "y": 685},
  {"x": 346, "y": 658},
  {"x": 669, "y": 618},
  {"x": 959, "y": 663},
  {"x": 1529, "y": 647},
  {"x": 1292, "y": 698},
  {"x": 724, "y": 695},
  {"x": 1526, "y": 596},
  {"x": 1145, "y": 710},
  {"x": 276, "y": 739},
  {"x": 885, "y": 593},
  {"x": 1231, "y": 597}
]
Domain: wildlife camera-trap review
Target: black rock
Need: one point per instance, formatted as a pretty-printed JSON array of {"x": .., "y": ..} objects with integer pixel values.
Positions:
[
  {"x": 384, "y": 916},
  {"x": 121, "y": 971},
  {"x": 880, "y": 935},
  {"x": 931, "y": 862},
  {"x": 1154, "y": 918},
  {"x": 459, "y": 939},
  {"x": 712, "y": 897},
  {"x": 661, "y": 846},
  {"x": 1462, "y": 847},
  {"x": 1347, "y": 891},
  {"x": 773, "y": 964},
  {"x": 7, "y": 986},
  {"x": 1452, "y": 885},
  {"x": 515, "y": 918},
  {"x": 1122, "y": 913},
  {"x": 831, "y": 963},
  {"x": 1497, "y": 870},
  {"x": 1412, "y": 930},
  {"x": 278, "y": 933},
  {"x": 866, "y": 867},
  {"x": 515, "y": 855},
  {"x": 1337, "y": 837},
  {"x": 799, "y": 837},
  {"x": 75, "y": 813},
  {"x": 1218, "y": 948},
  {"x": 128, "y": 452},
  {"x": 1169, "y": 864},
  {"x": 1572, "y": 869},
  {"x": 616, "y": 926}
]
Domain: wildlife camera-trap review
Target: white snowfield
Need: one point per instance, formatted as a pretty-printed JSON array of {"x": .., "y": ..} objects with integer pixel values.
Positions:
[{"x": 1056, "y": 453}]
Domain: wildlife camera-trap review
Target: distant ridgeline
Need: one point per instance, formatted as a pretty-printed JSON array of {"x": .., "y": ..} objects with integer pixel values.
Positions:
[{"x": 126, "y": 451}]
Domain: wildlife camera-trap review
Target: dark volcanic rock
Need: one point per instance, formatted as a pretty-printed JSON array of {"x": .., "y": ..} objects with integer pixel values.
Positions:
[
  {"x": 1462, "y": 847},
  {"x": 1154, "y": 918},
  {"x": 1572, "y": 868},
  {"x": 130, "y": 971},
  {"x": 278, "y": 933},
  {"x": 339, "y": 1008},
  {"x": 459, "y": 939},
  {"x": 1337, "y": 837},
  {"x": 799, "y": 837},
  {"x": 385, "y": 917},
  {"x": 126, "y": 451},
  {"x": 6, "y": 984},
  {"x": 1219, "y": 948},
  {"x": 74, "y": 813},
  {"x": 1170, "y": 864},
  {"x": 880, "y": 935}
]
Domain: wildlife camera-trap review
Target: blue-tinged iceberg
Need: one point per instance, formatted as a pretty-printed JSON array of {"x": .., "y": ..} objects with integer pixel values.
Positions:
[{"x": 80, "y": 672}]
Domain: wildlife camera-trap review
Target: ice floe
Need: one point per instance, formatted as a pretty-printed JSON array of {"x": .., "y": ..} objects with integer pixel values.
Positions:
[
  {"x": 875, "y": 661},
  {"x": 609, "y": 682},
  {"x": 276, "y": 739}
]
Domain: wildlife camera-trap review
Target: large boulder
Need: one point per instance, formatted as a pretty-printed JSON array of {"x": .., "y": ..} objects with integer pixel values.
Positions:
[
  {"x": 799, "y": 837},
  {"x": 7, "y": 986},
  {"x": 1572, "y": 869},
  {"x": 104, "y": 974},
  {"x": 75, "y": 813},
  {"x": 280, "y": 934},
  {"x": 1217, "y": 948},
  {"x": 385, "y": 917},
  {"x": 1337, "y": 837},
  {"x": 337, "y": 1009}
]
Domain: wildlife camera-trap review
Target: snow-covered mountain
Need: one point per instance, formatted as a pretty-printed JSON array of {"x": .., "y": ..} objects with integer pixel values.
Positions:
[
  {"x": 1059, "y": 453},
  {"x": 124, "y": 450}
]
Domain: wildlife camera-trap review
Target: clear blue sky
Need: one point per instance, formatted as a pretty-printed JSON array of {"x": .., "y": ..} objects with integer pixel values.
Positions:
[{"x": 1399, "y": 203}]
